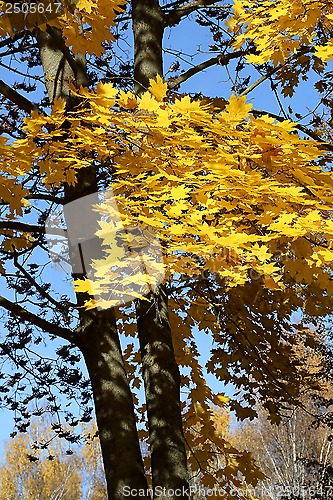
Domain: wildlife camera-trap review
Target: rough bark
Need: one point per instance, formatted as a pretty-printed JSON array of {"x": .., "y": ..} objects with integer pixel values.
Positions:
[
  {"x": 160, "y": 370},
  {"x": 55, "y": 66},
  {"x": 97, "y": 335},
  {"x": 148, "y": 27},
  {"x": 162, "y": 387},
  {"x": 99, "y": 343}
]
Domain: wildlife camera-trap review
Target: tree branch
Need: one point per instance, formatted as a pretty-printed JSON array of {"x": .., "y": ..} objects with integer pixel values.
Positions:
[
  {"x": 18, "y": 99},
  {"x": 40, "y": 289},
  {"x": 41, "y": 323},
  {"x": 299, "y": 126},
  {"x": 29, "y": 228},
  {"x": 21, "y": 226},
  {"x": 9, "y": 40},
  {"x": 175, "y": 16},
  {"x": 40, "y": 196},
  {"x": 47, "y": 197},
  {"x": 10, "y": 52},
  {"x": 270, "y": 72},
  {"x": 222, "y": 60},
  {"x": 261, "y": 80}
]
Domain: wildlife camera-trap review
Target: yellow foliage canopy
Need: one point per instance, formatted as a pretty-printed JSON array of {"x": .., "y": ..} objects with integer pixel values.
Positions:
[
  {"x": 84, "y": 24},
  {"x": 225, "y": 187},
  {"x": 281, "y": 28}
]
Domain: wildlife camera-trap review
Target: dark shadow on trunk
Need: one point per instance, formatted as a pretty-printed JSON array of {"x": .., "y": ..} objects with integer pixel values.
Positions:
[
  {"x": 114, "y": 408},
  {"x": 162, "y": 387},
  {"x": 160, "y": 370}
]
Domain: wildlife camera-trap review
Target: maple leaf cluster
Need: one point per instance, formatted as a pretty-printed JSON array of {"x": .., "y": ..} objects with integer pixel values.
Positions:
[
  {"x": 84, "y": 24},
  {"x": 281, "y": 28},
  {"x": 226, "y": 188}
]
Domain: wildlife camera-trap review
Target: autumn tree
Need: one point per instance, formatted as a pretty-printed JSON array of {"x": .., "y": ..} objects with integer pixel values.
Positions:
[
  {"x": 36, "y": 465},
  {"x": 295, "y": 456},
  {"x": 234, "y": 201}
]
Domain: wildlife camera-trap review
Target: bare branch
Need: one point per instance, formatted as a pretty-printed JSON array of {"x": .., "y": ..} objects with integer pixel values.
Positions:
[
  {"x": 10, "y": 52},
  {"x": 9, "y": 40},
  {"x": 18, "y": 99},
  {"x": 47, "y": 197},
  {"x": 21, "y": 226},
  {"x": 29, "y": 228},
  {"x": 40, "y": 289},
  {"x": 222, "y": 60},
  {"x": 41, "y": 323},
  {"x": 39, "y": 196},
  {"x": 261, "y": 80},
  {"x": 175, "y": 16}
]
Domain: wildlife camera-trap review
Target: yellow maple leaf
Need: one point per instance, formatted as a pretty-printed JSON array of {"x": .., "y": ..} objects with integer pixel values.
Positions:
[
  {"x": 207, "y": 230},
  {"x": 127, "y": 100},
  {"x": 162, "y": 118},
  {"x": 148, "y": 102},
  {"x": 237, "y": 110},
  {"x": 84, "y": 5},
  {"x": 176, "y": 229},
  {"x": 198, "y": 408},
  {"x": 325, "y": 255},
  {"x": 325, "y": 52},
  {"x": 179, "y": 192},
  {"x": 106, "y": 90},
  {"x": 186, "y": 104},
  {"x": 158, "y": 88},
  {"x": 177, "y": 209},
  {"x": 58, "y": 105},
  {"x": 238, "y": 8},
  {"x": 261, "y": 252},
  {"x": 90, "y": 304},
  {"x": 83, "y": 286},
  {"x": 223, "y": 398}
]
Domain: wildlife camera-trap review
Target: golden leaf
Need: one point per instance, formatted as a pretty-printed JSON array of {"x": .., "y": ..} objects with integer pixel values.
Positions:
[{"x": 158, "y": 88}]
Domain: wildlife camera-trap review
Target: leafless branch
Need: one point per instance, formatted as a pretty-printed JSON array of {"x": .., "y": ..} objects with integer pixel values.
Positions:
[
  {"x": 47, "y": 197},
  {"x": 222, "y": 60},
  {"x": 260, "y": 80},
  {"x": 21, "y": 226},
  {"x": 40, "y": 196},
  {"x": 175, "y": 16},
  {"x": 18, "y": 99},
  {"x": 40, "y": 289},
  {"x": 41, "y": 323},
  {"x": 10, "y": 52},
  {"x": 9, "y": 40},
  {"x": 29, "y": 228}
]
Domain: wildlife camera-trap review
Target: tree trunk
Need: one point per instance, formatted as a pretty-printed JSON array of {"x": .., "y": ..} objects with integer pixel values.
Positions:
[
  {"x": 99, "y": 343},
  {"x": 148, "y": 28},
  {"x": 162, "y": 387},
  {"x": 160, "y": 370},
  {"x": 97, "y": 335}
]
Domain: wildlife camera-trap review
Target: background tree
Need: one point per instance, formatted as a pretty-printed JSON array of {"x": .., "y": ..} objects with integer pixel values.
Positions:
[
  {"x": 36, "y": 465},
  {"x": 264, "y": 184},
  {"x": 296, "y": 455}
]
